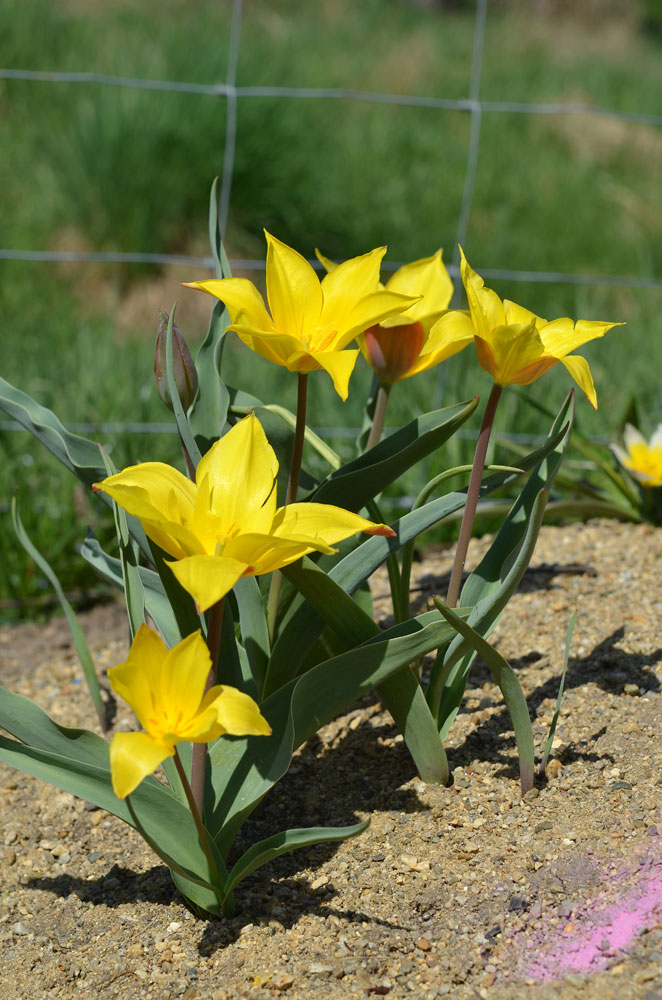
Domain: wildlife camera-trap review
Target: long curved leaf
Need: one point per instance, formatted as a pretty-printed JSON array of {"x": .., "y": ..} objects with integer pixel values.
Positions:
[
  {"x": 77, "y": 761},
  {"x": 506, "y": 678},
  {"x": 77, "y": 634},
  {"x": 358, "y": 481},
  {"x": 304, "y": 625},
  {"x": 157, "y": 604},
  {"x": 285, "y": 842}
]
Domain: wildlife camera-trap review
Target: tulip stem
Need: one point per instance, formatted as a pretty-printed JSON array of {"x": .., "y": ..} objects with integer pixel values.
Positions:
[
  {"x": 292, "y": 489},
  {"x": 473, "y": 491},
  {"x": 193, "y": 805},
  {"x": 199, "y": 753},
  {"x": 190, "y": 467},
  {"x": 379, "y": 415},
  {"x": 297, "y": 446}
]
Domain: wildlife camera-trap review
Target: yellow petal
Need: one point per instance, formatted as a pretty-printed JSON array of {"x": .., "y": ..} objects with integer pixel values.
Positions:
[
  {"x": 276, "y": 347},
  {"x": 132, "y": 757},
  {"x": 138, "y": 679},
  {"x": 518, "y": 314},
  {"x": 323, "y": 523},
  {"x": 580, "y": 371},
  {"x": 485, "y": 305},
  {"x": 427, "y": 277},
  {"x": 326, "y": 262},
  {"x": 236, "y": 712},
  {"x": 293, "y": 289},
  {"x": 207, "y": 578},
  {"x": 339, "y": 365},
  {"x": 240, "y": 297},
  {"x": 512, "y": 353},
  {"x": 562, "y": 336},
  {"x": 265, "y": 553},
  {"x": 370, "y": 310},
  {"x": 240, "y": 470},
  {"x": 345, "y": 284},
  {"x": 450, "y": 334},
  {"x": 158, "y": 495},
  {"x": 184, "y": 674}
]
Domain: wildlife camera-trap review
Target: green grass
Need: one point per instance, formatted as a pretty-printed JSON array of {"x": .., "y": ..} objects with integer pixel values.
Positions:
[{"x": 92, "y": 167}]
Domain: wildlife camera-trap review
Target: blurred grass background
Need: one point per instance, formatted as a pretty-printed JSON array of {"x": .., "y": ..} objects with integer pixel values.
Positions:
[{"x": 103, "y": 168}]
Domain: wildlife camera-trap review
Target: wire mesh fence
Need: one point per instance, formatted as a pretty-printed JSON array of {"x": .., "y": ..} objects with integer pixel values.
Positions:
[{"x": 474, "y": 105}]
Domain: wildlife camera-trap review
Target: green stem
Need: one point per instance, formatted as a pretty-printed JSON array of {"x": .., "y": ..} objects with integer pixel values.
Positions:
[
  {"x": 202, "y": 833},
  {"x": 472, "y": 496},
  {"x": 292, "y": 489},
  {"x": 190, "y": 467},
  {"x": 379, "y": 415},
  {"x": 199, "y": 753},
  {"x": 299, "y": 433}
]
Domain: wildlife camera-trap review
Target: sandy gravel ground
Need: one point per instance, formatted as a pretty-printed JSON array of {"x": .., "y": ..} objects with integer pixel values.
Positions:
[{"x": 464, "y": 892}]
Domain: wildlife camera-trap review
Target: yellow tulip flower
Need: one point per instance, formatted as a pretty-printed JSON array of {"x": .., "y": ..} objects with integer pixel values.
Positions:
[
  {"x": 226, "y": 524},
  {"x": 166, "y": 689},
  {"x": 514, "y": 345},
  {"x": 400, "y": 346},
  {"x": 643, "y": 459},
  {"x": 311, "y": 322}
]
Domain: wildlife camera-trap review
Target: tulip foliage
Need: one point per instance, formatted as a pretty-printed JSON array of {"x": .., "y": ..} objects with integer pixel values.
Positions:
[{"x": 247, "y": 629}]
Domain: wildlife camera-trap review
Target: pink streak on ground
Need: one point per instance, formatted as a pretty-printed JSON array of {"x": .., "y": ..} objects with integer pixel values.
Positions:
[{"x": 600, "y": 932}]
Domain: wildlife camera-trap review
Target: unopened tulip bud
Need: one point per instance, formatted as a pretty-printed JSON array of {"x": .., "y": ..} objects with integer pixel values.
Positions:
[
  {"x": 186, "y": 376},
  {"x": 392, "y": 351}
]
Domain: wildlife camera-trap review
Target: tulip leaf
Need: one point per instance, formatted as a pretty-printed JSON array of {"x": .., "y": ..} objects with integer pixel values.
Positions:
[
  {"x": 80, "y": 455},
  {"x": 401, "y": 694},
  {"x": 134, "y": 592},
  {"x": 77, "y": 761},
  {"x": 77, "y": 634},
  {"x": 209, "y": 411},
  {"x": 506, "y": 678},
  {"x": 448, "y": 676},
  {"x": 490, "y": 585},
  {"x": 303, "y": 625},
  {"x": 360, "y": 480},
  {"x": 404, "y": 698},
  {"x": 253, "y": 627},
  {"x": 243, "y": 769},
  {"x": 186, "y": 436},
  {"x": 559, "y": 698},
  {"x": 157, "y": 604},
  {"x": 285, "y": 842}
]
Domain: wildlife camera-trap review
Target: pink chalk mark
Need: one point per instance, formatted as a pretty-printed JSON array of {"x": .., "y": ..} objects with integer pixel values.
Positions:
[{"x": 600, "y": 932}]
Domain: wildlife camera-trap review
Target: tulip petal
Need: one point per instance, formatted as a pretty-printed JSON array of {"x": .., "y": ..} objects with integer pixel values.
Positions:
[
  {"x": 512, "y": 354},
  {"x": 184, "y": 673},
  {"x": 274, "y": 346},
  {"x": 132, "y": 757},
  {"x": 632, "y": 436},
  {"x": 427, "y": 277},
  {"x": 580, "y": 371},
  {"x": 339, "y": 365},
  {"x": 485, "y": 305},
  {"x": 562, "y": 336},
  {"x": 293, "y": 290},
  {"x": 322, "y": 522},
  {"x": 159, "y": 496},
  {"x": 207, "y": 578},
  {"x": 240, "y": 297},
  {"x": 236, "y": 712},
  {"x": 239, "y": 471},
  {"x": 450, "y": 334},
  {"x": 372, "y": 309},
  {"x": 138, "y": 679},
  {"x": 265, "y": 553},
  {"x": 347, "y": 283}
]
